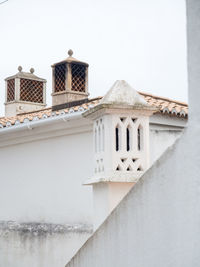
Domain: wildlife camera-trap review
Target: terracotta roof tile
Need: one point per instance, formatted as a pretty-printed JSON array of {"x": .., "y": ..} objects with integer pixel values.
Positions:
[{"x": 164, "y": 105}]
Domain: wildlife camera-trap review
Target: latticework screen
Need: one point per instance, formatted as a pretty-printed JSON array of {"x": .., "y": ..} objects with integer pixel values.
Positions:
[
  {"x": 78, "y": 77},
  {"x": 11, "y": 90},
  {"x": 31, "y": 91},
  {"x": 60, "y": 77}
]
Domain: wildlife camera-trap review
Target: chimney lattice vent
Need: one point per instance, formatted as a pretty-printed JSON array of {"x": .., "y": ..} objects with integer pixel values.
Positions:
[
  {"x": 78, "y": 77},
  {"x": 31, "y": 91},
  {"x": 10, "y": 90},
  {"x": 60, "y": 77}
]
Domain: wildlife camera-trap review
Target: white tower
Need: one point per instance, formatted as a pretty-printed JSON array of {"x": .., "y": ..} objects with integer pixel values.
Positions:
[{"x": 121, "y": 146}]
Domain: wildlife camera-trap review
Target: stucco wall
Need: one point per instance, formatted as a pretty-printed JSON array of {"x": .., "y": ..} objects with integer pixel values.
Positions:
[
  {"x": 39, "y": 245},
  {"x": 44, "y": 178},
  {"x": 157, "y": 223},
  {"x": 160, "y": 139},
  {"x": 42, "y": 181}
]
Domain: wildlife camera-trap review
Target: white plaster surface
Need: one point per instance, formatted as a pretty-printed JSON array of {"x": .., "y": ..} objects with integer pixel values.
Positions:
[
  {"x": 22, "y": 248},
  {"x": 157, "y": 223},
  {"x": 160, "y": 139},
  {"x": 41, "y": 181},
  {"x": 106, "y": 197},
  {"x": 14, "y": 108}
]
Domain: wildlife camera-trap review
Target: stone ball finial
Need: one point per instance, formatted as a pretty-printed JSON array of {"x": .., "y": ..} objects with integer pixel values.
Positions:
[
  {"x": 20, "y": 68},
  {"x": 70, "y": 52},
  {"x": 32, "y": 70}
]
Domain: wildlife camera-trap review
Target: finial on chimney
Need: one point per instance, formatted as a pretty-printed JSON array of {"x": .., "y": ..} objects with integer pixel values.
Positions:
[
  {"x": 70, "y": 52},
  {"x": 32, "y": 70},
  {"x": 20, "y": 68}
]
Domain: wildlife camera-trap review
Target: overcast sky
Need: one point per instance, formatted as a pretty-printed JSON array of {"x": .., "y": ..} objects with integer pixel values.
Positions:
[{"x": 140, "y": 41}]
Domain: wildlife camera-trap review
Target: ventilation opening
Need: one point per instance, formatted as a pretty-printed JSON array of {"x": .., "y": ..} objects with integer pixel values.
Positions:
[
  {"x": 103, "y": 138},
  {"x": 127, "y": 139},
  {"x": 60, "y": 77},
  {"x": 139, "y": 168},
  {"x": 99, "y": 138},
  {"x": 139, "y": 138},
  {"x": 117, "y": 138},
  {"x": 122, "y": 119},
  {"x": 31, "y": 91},
  {"x": 95, "y": 138},
  {"x": 78, "y": 77},
  {"x": 10, "y": 90},
  {"x": 118, "y": 168},
  {"x": 129, "y": 168}
]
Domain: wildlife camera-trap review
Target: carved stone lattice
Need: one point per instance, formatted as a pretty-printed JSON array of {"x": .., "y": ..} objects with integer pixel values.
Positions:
[
  {"x": 10, "y": 90},
  {"x": 128, "y": 145},
  {"x": 60, "y": 77},
  {"x": 31, "y": 91},
  {"x": 78, "y": 77}
]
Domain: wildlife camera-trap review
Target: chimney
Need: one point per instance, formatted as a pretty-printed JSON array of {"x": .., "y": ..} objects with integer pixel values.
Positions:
[
  {"x": 25, "y": 92},
  {"x": 121, "y": 146},
  {"x": 70, "y": 80}
]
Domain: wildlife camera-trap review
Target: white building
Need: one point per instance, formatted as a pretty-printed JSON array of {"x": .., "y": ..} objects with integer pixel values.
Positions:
[{"x": 65, "y": 168}]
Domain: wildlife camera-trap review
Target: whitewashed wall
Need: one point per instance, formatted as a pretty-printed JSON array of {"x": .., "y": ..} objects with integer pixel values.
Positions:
[
  {"x": 39, "y": 247},
  {"x": 158, "y": 222},
  {"x": 153, "y": 225},
  {"x": 41, "y": 182}
]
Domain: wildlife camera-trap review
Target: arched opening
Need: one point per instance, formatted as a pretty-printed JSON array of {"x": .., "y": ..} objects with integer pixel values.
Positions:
[
  {"x": 99, "y": 139},
  {"x": 103, "y": 138},
  {"x": 139, "y": 138},
  {"x": 127, "y": 139},
  {"x": 117, "y": 138},
  {"x": 95, "y": 139}
]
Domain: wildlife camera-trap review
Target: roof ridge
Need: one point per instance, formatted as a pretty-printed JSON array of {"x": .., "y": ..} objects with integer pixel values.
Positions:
[
  {"x": 163, "y": 98},
  {"x": 47, "y": 108},
  {"x": 168, "y": 106}
]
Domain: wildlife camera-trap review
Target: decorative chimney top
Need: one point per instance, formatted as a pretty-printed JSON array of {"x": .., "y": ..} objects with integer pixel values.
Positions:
[
  {"x": 121, "y": 134},
  {"x": 70, "y": 80},
  {"x": 121, "y": 146},
  {"x": 24, "y": 92},
  {"x": 70, "y": 52},
  {"x": 122, "y": 93}
]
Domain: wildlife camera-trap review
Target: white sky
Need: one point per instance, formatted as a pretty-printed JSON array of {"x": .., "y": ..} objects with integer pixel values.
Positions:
[{"x": 140, "y": 41}]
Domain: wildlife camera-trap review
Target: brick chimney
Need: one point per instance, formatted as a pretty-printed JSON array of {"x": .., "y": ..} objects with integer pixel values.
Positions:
[
  {"x": 25, "y": 92},
  {"x": 70, "y": 80}
]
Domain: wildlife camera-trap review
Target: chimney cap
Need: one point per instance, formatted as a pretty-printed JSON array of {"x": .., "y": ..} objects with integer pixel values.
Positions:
[
  {"x": 122, "y": 93},
  {"x": 26, "y": 75},
  {"x": 70, "y": 59}
]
